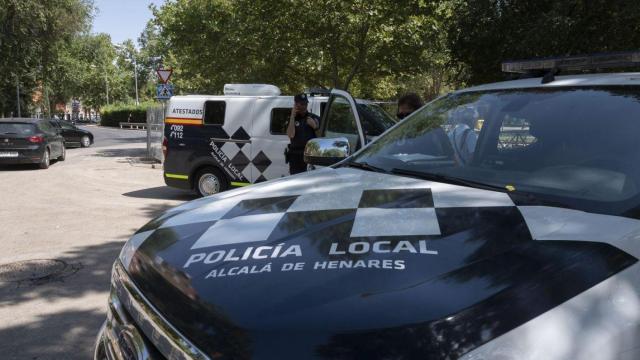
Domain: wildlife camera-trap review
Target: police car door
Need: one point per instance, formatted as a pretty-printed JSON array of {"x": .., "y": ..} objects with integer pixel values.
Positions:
[
  {"x": 269, "y": 137},
  {"x": 341, "y": 119}
]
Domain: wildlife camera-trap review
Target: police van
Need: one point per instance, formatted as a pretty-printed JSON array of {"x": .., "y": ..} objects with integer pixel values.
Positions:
[{"x": 212, "y": 143}]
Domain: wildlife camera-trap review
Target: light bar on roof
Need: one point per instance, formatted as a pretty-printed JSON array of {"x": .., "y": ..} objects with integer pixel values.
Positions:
[{"x": 585, "y": 62}]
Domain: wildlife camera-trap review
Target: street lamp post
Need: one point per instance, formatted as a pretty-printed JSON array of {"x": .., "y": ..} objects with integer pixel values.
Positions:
[
  {"x": 106, "y": 83},
  {"x": 135, "y": 74},
  {"x": 18, "y": 97}
]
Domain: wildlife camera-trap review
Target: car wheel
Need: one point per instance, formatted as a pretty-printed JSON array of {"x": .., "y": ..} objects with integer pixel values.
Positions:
[
  {"x": 46, "y": 160},
  {"x": 63, "y": 156},
  {"x": 85, "y": 141},
  {"x": 209, "y": 181}
]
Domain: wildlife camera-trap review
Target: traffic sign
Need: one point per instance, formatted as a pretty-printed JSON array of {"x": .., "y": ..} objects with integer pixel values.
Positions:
[
  {"x": 164, "y": 75},
  {"x": 164, "y": 91}
]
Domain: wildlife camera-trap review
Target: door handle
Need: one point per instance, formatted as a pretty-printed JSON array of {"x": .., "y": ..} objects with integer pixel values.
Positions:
[{"x": 182, "y": 144}]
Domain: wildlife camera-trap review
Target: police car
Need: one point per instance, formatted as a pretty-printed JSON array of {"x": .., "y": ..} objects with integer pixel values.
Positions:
[
  {"x": 213, "y": 143},
  {"x": 411, "y": 248}
]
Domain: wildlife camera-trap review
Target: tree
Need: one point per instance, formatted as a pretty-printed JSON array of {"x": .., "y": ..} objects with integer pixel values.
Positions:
[
  {"x": 365, "y": 46},
  {"x": 483, "y": 33},
  {"x": 33, "y": 35}
]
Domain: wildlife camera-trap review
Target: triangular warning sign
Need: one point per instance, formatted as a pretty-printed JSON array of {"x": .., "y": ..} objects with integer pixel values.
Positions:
[{"x": 164, "y": 75}]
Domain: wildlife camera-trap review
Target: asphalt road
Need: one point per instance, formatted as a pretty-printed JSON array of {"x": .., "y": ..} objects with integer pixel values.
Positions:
[
  {"x": 104, "y": 136},
  {"x": 78, "y": 213}
]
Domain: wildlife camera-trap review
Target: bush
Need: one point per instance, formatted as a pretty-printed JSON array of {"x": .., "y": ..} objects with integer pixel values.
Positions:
[{"x": 113, "y": 115}]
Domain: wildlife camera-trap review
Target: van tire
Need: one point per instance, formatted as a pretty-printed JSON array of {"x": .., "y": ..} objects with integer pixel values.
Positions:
[{"x": 209, "y": 181}]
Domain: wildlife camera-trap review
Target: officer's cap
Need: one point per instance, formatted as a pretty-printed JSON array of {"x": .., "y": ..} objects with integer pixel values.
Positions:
[{"x": 301, "y": 98}]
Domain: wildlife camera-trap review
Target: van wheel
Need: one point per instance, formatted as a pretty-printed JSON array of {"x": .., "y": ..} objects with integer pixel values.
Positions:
[{"x": 209, "y": 181}]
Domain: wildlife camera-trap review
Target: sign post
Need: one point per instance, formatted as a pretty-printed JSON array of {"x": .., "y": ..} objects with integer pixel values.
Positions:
[{"x": 164, "y": 90}]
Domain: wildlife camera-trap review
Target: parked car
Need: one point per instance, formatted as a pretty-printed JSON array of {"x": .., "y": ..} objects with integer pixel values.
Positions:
[
  {"x": 73, "y": 135},
  {"x": 30, "y": 141},
  {"x": 213, "y": 143},
  {"x": 497, "y": 222}
]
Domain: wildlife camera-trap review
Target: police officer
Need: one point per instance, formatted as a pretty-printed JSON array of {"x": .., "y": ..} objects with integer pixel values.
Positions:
[{"x": 302, "y": 128}]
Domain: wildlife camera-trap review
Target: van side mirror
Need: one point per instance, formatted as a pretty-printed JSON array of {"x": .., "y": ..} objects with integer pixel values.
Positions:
[{"x": 326, "y": 151}]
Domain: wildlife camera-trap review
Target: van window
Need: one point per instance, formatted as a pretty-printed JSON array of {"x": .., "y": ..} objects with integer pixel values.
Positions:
[
  {"x": 279, "y": 120},
  {"x": 214, "y": 112}
]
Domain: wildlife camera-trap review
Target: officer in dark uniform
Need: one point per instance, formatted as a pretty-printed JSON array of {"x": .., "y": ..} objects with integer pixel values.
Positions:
[{"x": 302, "y": 128}]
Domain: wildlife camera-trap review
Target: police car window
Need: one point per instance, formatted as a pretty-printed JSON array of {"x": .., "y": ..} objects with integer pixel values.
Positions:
[
  {"x": 341, "y": 121},
  {"x": 323, "y": 105},
  {"x": 279, "y": 120},
  {"x": 374, "y": 119},
  {"x": 214, "y": 112}
]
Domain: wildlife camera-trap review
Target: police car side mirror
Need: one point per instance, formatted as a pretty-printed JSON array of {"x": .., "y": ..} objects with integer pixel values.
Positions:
[{"x": 326, "y": 151}]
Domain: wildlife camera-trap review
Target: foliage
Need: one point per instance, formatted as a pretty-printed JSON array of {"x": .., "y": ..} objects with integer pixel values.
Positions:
[
  {"x": 32, "y": 36},
  {"x": 113, "y": 115},
  {"x": 483, "y": 33},
  {"x": 374, "y": 48},
  {"x": 361, "y": 45}
]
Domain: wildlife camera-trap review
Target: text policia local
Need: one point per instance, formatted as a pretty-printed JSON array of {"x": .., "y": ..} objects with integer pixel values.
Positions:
[{"x": 284, "y": 251}]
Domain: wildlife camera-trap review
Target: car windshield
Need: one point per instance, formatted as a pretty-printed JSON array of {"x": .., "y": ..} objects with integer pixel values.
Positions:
[
  {"x": 571, "y": 146},
  {"x": 17, "y": 129}
]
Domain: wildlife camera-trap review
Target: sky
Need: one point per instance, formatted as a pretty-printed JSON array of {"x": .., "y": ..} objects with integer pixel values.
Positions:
[{"x": 122, "y": 19}]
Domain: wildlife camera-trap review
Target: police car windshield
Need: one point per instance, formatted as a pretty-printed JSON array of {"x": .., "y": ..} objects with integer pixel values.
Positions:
[{"x": 572, "y": 146}]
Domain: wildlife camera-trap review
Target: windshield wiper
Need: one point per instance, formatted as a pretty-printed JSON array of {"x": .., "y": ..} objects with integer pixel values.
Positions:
[
  {"x": 9, "y": 133},
  {"x": 449, "y": 179},
  {"x": 365, "y": 166}
]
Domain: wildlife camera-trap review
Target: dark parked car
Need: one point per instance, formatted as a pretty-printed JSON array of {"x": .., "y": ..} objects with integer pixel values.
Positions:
[
  {"x": 73, "y": 135},
  {"x": 30, "y": 141}
]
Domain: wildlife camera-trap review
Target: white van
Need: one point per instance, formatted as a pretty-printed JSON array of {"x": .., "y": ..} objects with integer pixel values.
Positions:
[{"x": 213, "y": 143}]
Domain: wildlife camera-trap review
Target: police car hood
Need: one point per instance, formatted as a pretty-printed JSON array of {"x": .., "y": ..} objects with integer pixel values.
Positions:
[{"x": 344, "y": 263}]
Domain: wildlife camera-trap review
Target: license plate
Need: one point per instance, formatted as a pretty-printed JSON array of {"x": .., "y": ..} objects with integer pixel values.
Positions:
[{"x": 8, "y": 154}]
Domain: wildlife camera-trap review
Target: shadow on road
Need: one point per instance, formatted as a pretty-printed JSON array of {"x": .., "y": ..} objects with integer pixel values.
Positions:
[
  {"x": 56, "y": 336},
  {"x": 131, "y": 152},
  {"x": 21, "y": 167},
  {"x": 69, "y": 333},
  {"x": 25, "y": 167},
  {"x": 153, "y": 211},
  {"x": 162, "y": 193},
  {"x": 94, "y": 263}
]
